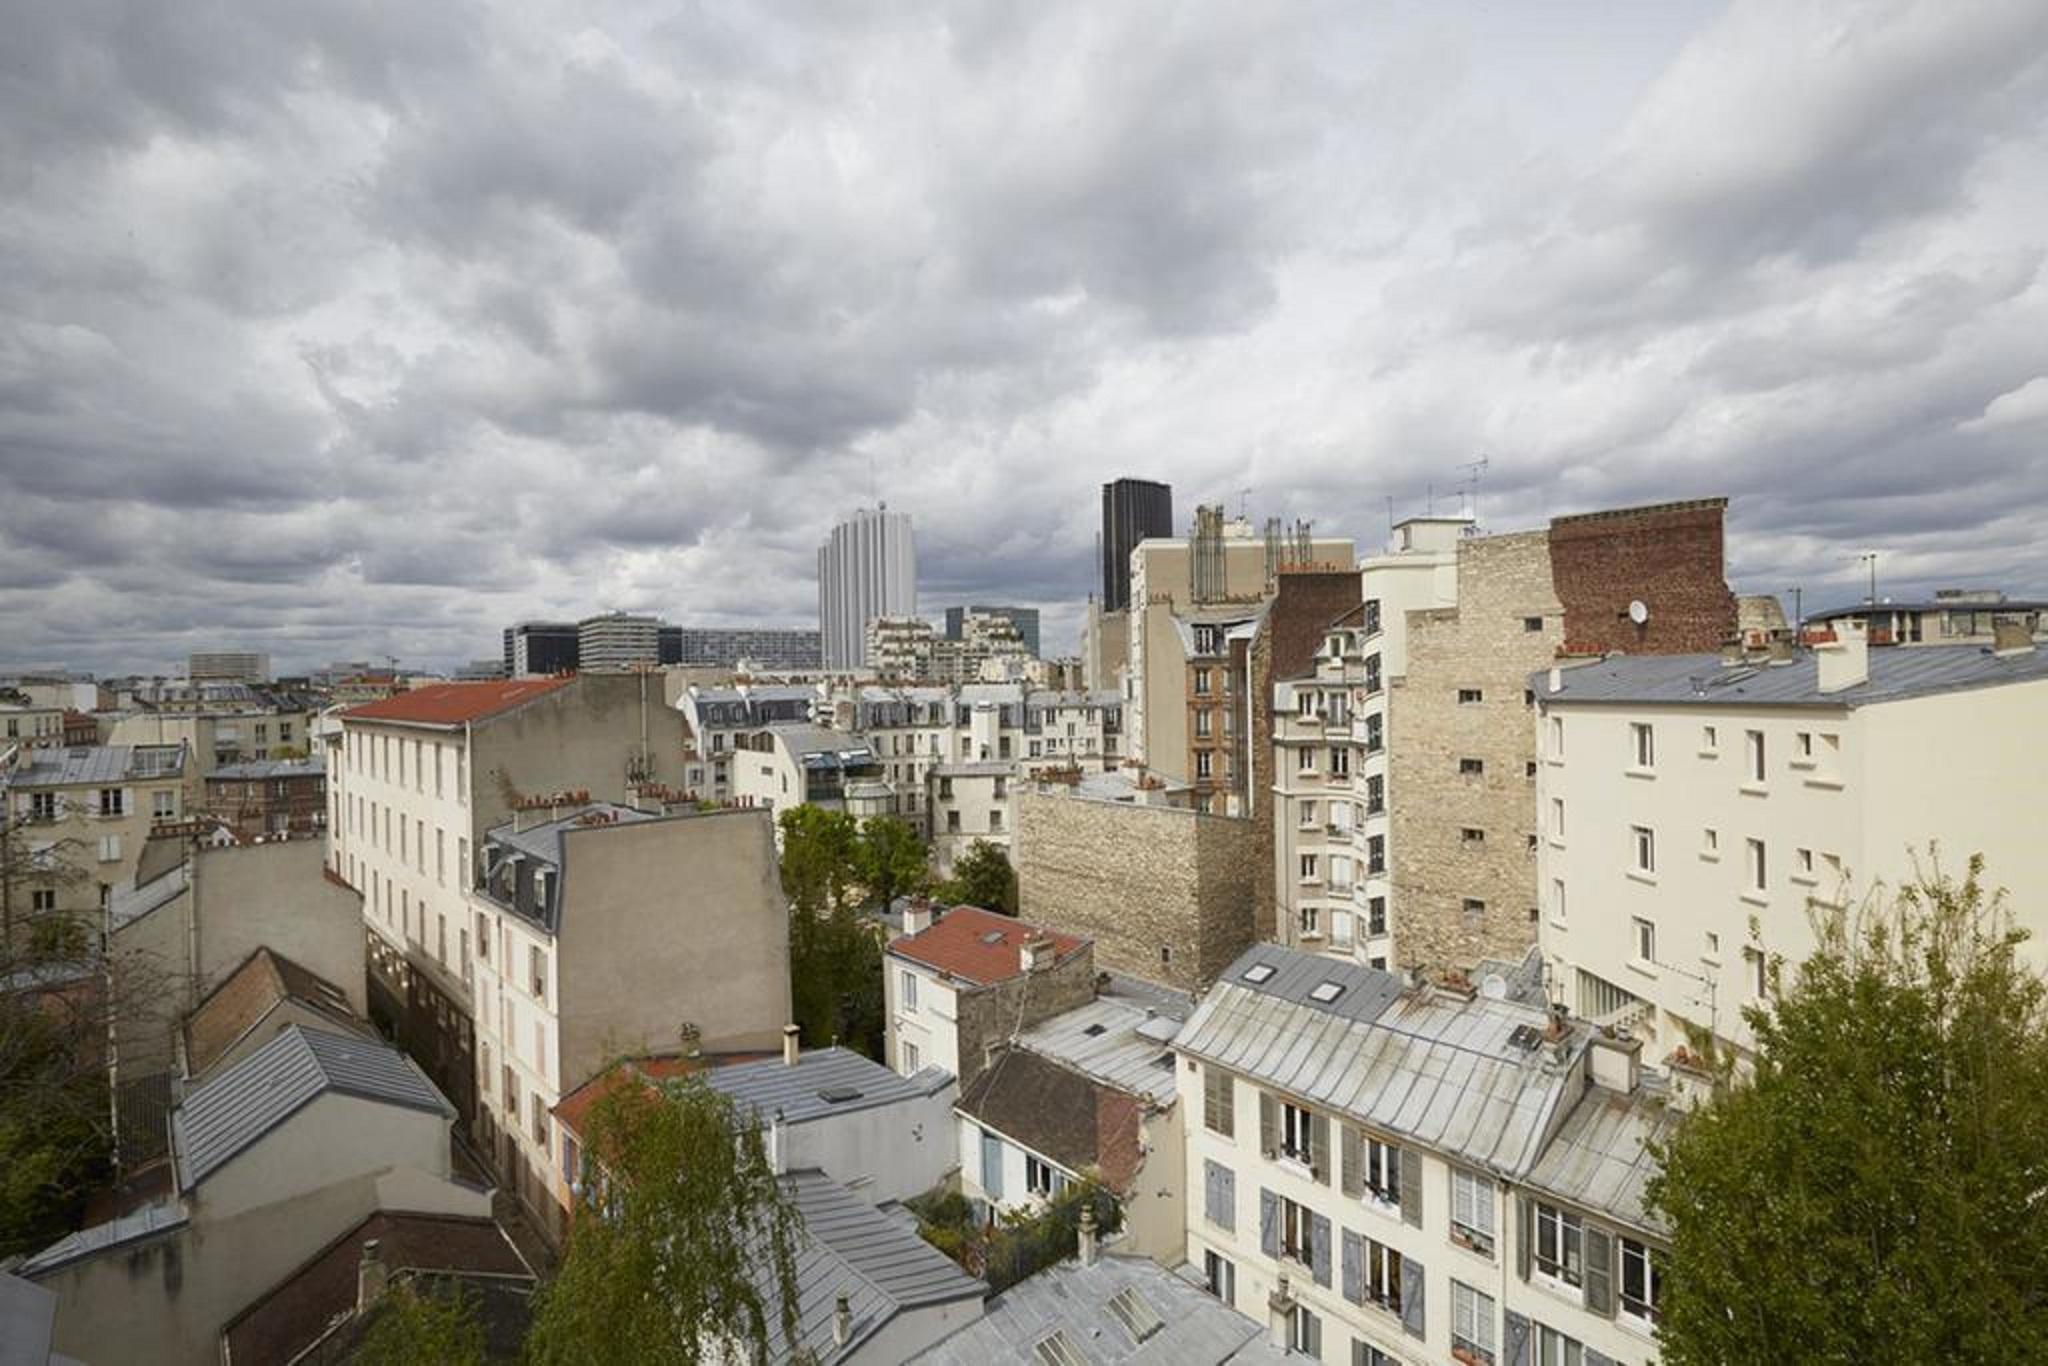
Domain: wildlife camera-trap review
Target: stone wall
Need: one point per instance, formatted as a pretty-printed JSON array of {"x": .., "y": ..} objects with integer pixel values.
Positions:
[
  {"x": 1167, "y": 894},
  {"x": 1485, "y": 643},
  {"x": 995, "y": 1014},
  {"x": 1667, "y": 556}
]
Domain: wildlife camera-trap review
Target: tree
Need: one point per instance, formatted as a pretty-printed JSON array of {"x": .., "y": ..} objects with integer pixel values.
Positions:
[
  {"x": 1877, "y": 1189},
  {"x": 891, "y": 860},
  {"x": 982, "y": 877},
  {"x": 683, "y": 1246},
  {"x": 819, "y": 857},
  {"x": 413, "y": 1325}
]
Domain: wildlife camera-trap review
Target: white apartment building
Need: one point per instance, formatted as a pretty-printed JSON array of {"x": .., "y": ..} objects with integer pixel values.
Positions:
[
  {"x": 617, "y": 640},
  {"x": 1442, "y": 1178},
  {"x": 1332, "y": 856},
  {"x": 238, "y": 666},
  {"x": 718, "y": 715},
  {"x": 1694, "y": 808},
  {"x": 867, "y": 568}
]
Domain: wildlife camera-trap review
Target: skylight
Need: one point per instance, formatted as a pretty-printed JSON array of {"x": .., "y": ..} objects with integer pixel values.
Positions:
[
  {"x": 1139, "y": 1319},
  {"x": 839, "y": 1095},
  {"x": 992, "y": 937},
  {"x": 1326, "y": 992},
  {"x": 1257, "y": 972}
]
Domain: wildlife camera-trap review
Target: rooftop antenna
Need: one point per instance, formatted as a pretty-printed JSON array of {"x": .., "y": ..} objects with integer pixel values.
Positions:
[
  {"x": 1869, "y": 557},
  {"x": 1477, "y": 468},
  {"x": 1244, "y": 499}
]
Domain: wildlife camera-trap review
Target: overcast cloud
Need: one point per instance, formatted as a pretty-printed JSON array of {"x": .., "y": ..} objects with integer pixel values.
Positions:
[{"x": 351, "y": 330}]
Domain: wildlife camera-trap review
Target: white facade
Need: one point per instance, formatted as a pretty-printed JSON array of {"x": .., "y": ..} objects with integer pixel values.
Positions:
[
  {"x": 922, "y": 1016},
  {"x": 617, "y": 640},
  {"x": 1684, "y": 839},
  {"x": 867, "y": 568}
]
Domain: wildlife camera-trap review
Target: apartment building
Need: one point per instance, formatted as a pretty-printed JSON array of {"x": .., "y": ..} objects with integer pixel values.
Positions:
[
  {"x": 794, "y": 763},
  {"x": 957, "y": 984},
  {"x": 618, "y": 640},
  {"x": 1953, "y": 616},
  {"x": 867, "y": 568},
  {"x": 267, "y": 799},
  {"x": 413, "y": 783},
  {"x": 236, "y": 666},
  {"x": 1025, "y": 619},
  {"x": 599, "y": 929},
  {"x": 717, "y": 715},
  {"x": 1446, "y": 1177},
  {"x": 1405, "y": 769},
  {"x": 218, "y": 731},
  {"x": 898, "y": 647},
  {"x": 88, "y": 812},
  {"x": 1695, "y": 808},
  {"x": 774, "y": 651},
  {"x": 540, "y": 648},
  {"x": 988, "y": 646},
  {"x": 31, "y": 725},
  {"x": 1195, "y": 605}
]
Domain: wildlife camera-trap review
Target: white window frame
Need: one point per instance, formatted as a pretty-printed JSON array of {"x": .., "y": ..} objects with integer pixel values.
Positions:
[
  {"x": 1643, "y": 939},
  {"x": 1643, "y": 743},
  {"x": 1473, "y": 1211},
  {"x": 907, "y": 993},
  {"x": 1643, "y": 846},
  {"x": 1297, "y": 1135},
  {"x": 1473, "y": 1321},
  {"x": 1645, "y": 1310},
  {"x": 1382, "y": 1174},
  {"x": 1565, "y": 1235}
]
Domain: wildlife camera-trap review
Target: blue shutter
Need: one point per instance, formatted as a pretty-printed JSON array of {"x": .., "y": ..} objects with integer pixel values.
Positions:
[
  {"x": 1269, "y": 1223},
  {"x": 992, "y": 1165},
  {"x": 1319, "y": 1248},
  {"x": 1413, "y": 1283},
  {"x": 1219, "y": 1185},
  {"x": 1354, "y": 1267}
]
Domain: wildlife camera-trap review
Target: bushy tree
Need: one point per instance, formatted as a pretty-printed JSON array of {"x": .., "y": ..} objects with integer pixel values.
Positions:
[
  {"x": 683, "y": 1248},
  {"x": 1877, "y": 1188},
  {"x": 819, "y": 857},
  {"x": 891, "y": 860},
  {"x": 415, "y": 1324},
  {"x": 982, "y": 877}
]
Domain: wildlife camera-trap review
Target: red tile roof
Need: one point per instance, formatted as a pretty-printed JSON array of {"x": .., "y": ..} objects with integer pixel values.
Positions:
[
  {"x": 450, "y": 704},
  {"x": 979, "y": 946},
  {"x": 574, "y": 1108}
]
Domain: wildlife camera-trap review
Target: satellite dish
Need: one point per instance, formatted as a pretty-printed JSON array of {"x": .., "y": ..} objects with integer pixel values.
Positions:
[
  {"x": 1637, "y": 612},
  {"x": 1493, "y": 987}
]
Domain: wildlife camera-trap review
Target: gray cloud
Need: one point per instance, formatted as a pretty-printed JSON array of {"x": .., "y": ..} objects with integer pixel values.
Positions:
[{"x": 358, "y": 332}]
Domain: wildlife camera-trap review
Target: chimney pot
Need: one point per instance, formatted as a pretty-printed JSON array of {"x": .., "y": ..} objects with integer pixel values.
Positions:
[
  {"x": 842, "y": 1319},
  {"x": 2011, "y": 638},
  {"x": 792, "y": 1046},
  {"x": 372, "y": 1276},
  {"x": 1843, "y": 662},
  {"x": 1087, "y": 1240}
]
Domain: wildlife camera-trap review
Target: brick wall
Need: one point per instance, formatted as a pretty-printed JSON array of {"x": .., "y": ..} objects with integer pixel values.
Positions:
[
  {"x": 1668, "y": 556},
  {"x": 1504, "y": 582},
  {"x": 995, "y": 1014},
  {"x": 1167, "y": 894}
]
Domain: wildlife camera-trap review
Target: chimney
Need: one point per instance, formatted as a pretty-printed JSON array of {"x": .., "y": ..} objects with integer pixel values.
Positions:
[
  {"x": 1035, "y": 952},
  {"x": 1843, "y": 662},
  {"x": 842, "y": 1319},
  {"x": 1617, "y": 1061},
  {"x": 1280, "y": 1313},
  {"x": 917, "y": 916},
  {"x": 2009, "y": 638},
  {"x": 1556, "y": 678},
  {"x": 792, "y": 1049},
  {"x": 371, "y": 1277},
  {"x": 1087, "y": 1248}
]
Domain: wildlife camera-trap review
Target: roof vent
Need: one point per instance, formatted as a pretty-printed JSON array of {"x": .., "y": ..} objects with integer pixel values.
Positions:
[
  {"x": 1096, "y": 1031},
  {"x": 839, "y": 1095}
]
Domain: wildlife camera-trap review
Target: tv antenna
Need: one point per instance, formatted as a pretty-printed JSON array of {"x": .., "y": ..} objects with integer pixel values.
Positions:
[
  {"x": 1476, "y": 468},
  {"x": 1244, "y": 500}
]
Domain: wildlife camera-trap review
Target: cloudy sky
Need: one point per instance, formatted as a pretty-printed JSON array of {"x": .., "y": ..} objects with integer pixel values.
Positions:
[{"x": 349, "y": 330}]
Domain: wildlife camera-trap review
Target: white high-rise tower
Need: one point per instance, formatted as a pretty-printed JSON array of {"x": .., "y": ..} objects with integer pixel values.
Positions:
[{"x": 867, "y": 568}]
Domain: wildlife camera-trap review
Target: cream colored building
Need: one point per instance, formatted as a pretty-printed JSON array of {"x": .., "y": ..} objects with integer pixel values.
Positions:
[
  {"x": 90, "y": 811},
  {"x": 1694, "y": 809},
  {"x": 600, "y": 930}
]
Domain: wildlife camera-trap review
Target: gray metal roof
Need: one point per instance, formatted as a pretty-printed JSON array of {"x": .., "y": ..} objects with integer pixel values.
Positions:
[
  {"x": 2015, "y": 605},
  {"x": 1195, "y": 1327},
  {"x": 1424, "y": 1065},
  {"x": 772, "y": 1087},
  {"x": 55, "y": 767},
  {"x": 222, "y": 1118},
  {"x": 1599, "y": 1160},
  {"x": 129, "y": 904},
  {"x": 1114, "y": 1042},
  {"x": 258, "y": 769},
  {"x": 976, "y": 768},
  {"x": 143, "y": 1223},
  {"x": 1704, "y": 681},
  {"x": 805, "y": 740},
  {"x": 544, "y": 839},
  {"x": 879, "y": 1263}
]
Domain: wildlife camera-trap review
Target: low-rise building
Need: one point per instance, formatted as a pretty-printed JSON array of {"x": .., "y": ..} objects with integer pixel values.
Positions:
[
  {"x": 794, "y": 763},
  {"x": 1697, "y": 808},
  {"x": 1953, "y": 616},
  {"x": 957, "y": 986},
  {"x": 32, "y": 725},
  {"x": 719, "y": 715},
  {"x": 259, "y": 1000},
  {"x": 268, "y": 799},
  {"x": 88, "y": 813}
]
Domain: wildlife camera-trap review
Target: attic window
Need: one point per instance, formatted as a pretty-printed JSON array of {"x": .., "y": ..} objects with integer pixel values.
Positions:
[
  {"x": 1058, "y": 1350},
  {"x": 1326, "y": 992},
  {"x": 1095, "y": 1031},
  {"x": 839, "y": 1095},
  {"x": 1257, "y": 972},
  {"x": 1139, "y": 1319}
]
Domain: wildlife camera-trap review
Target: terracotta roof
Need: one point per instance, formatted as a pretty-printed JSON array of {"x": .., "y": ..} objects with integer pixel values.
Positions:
[
  {"x": 299, "y": 1310},
  {"x": 250, "y": 992},
  {"x": 574, "y": 1108},
  {"x": 976, "y": 945},
  {"x": 450, "y": 704},
  {"x": 1058, "y": 1113}
]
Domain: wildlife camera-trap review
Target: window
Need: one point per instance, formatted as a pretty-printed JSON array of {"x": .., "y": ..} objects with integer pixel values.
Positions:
[
  {"x": 1382, "y": 1275},
  {"x": 1220, "y": 1276},
  {"x": 1472, "y": 768},
  {"x": 1757, "y": 865},
  {"x": 908, "y": 1052},
  {"x": 1802, "y": 859},
  {"x": 1557, "y": 818},
  {"x": 1560, "y": 1244},
  {"x": 1042, "y": 1178},
  {"x": 540, "y": 1122},
  {"x": 1305, "y": 761},
  {"x": 1219, "y": 1099},
  {"x": 1297, "y": 1134},
  {"x": 1205, "y": 763},
  {"x": 953, "y": 820},
  {"x": 1644, "y": 741},
  {"x": 906, "y": 981},
  {"x": 110, "y": 848},
  {"x": 1557, "y": 898},
  {"x": 1375, "y": 738},
  {"x": 1754, "y": 974},
  {"x": 537, "y": 967},
  {"x": 43, "y": 899},
  {"x": 1471, "y": 835},
  {"x": 995, "y": 822},
  {"x": 1365, "y": 1354},
  {"x": 1471, "y": 1323},
  {"x": 1474, "y": 909},
  {"x": 1305, "y": 1333},
  {"x": 1532, "y": 623},
  {"x": 1308, "y": 867},
  {"x": 511, "y": 1090},
  {"x": 1470, "y": 696},
  {"x": 1311, "y": 921},
  {"x": 113, "y": 801},
  {"x": 1754, "y": 739},
  {"x": 1202, "y": 683},
  {"x": 1642, "y": 1281},
  {"x": 1710, "y": 843},
  {"x": 1472, "y": 1223},
  {"x": 42, "y": 806},
  {"x": 1802, "y": 746},
  {"x": 1205, "y": 722},
  {"x": 164, "y": 805},
  {"x": 1340, "y": 763},
  {"x": 1555, "y": 1349},
  {"x": 1382, "y": 1173},
  {"x": 1710, "y": 739},
  {"x": 1375, "y": 854},
  {"x": 1296, "y": 1236},
  {"x": 483, "y": 937},
  {"x": 1308, "y": 815},
  {"x": 1375, "y": 794},
  {"x": 1645, "y": 940},
  {"x": 1645, "y": 840},
  {"x": 1376, "y": 915},
  {"x": 572, "y": 1170}
]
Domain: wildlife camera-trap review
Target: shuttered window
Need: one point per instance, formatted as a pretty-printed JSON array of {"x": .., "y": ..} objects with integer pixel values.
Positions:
[{"x": 1218, "y": 1099}]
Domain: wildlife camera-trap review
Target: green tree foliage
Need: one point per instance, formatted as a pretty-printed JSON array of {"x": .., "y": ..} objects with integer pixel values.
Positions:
[
  {"x": 1021, "y": 1243},
  {"x": 415, "y": 1325},
  {"x": 831, "y": 866},
  {"x": 1878, "y": 1189},
  {"x": 891, "y": 860},
  {"x": 982, "y": 877},
  {"x": 683, "y": 1248},
  {"x": 819, "y": 857}
]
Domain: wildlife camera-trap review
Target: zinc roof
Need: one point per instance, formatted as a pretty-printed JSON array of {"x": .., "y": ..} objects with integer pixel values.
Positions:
[
  {"x": 142, "y": 1223},
  {"x": 60, "y": 767},
  {"x": 224, "y": 1117},
  {"x": 772, "y": 1087},
  {"x": 314, "y": 767},
  {"x": 1114, "y": 1042},
  {"x": 1704, "y": 681},
  {"x": 1599, "y": 1159},
  {"x": 1420, "y": 1064}
]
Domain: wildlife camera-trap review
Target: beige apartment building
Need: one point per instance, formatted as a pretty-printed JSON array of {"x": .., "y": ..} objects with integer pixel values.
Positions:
[
  {"x": 413, "y": 783},
  {"x": 601, "y": 930},
  {"x": 89, "y": 811},
  {"x": 1696, "y": 808}
]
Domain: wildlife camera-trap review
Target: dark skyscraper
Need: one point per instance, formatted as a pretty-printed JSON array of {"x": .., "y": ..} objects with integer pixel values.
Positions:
[{"x": 1132, "y": 509}]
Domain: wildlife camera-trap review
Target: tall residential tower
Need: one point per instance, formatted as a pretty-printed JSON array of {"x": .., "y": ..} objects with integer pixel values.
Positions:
[{"x": 867, "y": 568}]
